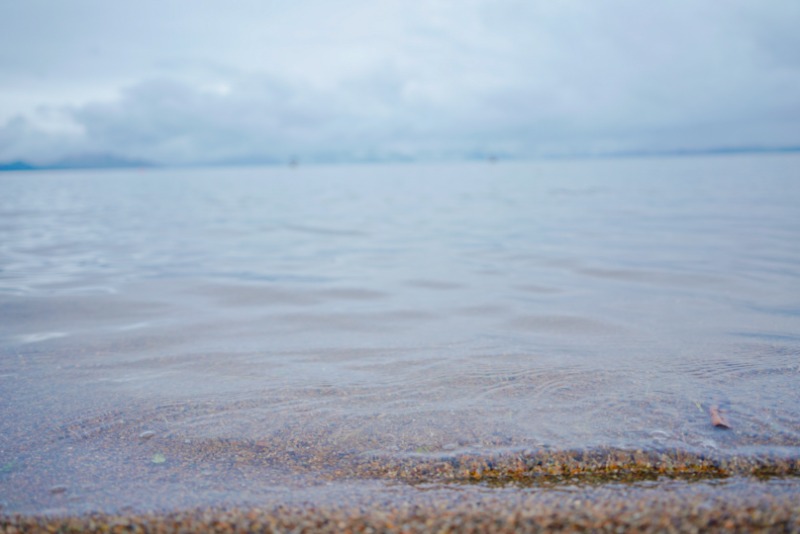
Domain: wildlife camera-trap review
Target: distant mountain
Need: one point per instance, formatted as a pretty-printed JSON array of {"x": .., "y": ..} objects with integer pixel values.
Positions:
[
  {"x": 79, "y": 161},
  {"x": 98, "y": 161},
  {"x": 16, "y": 166},
  {"x": 106, "y": 160},
  {"x": 709, "y": 151}
]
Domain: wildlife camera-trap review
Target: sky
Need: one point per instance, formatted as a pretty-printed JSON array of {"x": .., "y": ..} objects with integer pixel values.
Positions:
[{"x": 195, "y": 82}]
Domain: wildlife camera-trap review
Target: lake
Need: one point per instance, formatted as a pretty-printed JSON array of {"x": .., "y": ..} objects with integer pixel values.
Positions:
[{"x": 172, "y": 338}]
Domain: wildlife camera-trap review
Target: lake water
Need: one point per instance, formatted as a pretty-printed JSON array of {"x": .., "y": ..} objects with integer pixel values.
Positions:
[{"x": 184, "y": 337}]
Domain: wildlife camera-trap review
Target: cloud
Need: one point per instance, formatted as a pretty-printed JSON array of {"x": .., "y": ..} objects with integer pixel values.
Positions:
[
  {"x": 252, "y": 118},
  {"x": 396, "y": 80}
]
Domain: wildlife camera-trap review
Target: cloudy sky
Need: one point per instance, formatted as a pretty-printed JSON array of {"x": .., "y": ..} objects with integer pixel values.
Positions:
[{"x": 195, "y": 82}]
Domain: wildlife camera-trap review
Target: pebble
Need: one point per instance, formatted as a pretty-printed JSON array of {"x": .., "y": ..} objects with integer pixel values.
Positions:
[
  {"x": 58, "y": 489},
  {"x": 147, "y": 434},
  {"x": 659, "y": 435}
]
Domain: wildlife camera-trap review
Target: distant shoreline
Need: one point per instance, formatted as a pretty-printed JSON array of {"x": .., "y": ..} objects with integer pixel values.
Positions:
[{"x": 114, "y": 162}]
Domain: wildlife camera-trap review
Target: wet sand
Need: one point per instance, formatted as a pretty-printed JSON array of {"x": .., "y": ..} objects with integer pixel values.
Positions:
[
  {"x": 736, "y": 505},
  {"x": 303, "y": 483},
  {"x": 279, "y": 485}
]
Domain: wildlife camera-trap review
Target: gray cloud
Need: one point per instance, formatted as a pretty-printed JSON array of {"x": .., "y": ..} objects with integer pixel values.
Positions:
[{"x": 259, "y": 81}]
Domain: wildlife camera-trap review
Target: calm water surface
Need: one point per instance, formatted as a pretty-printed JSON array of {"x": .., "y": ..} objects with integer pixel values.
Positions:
[{"x": 387, "y": 310}]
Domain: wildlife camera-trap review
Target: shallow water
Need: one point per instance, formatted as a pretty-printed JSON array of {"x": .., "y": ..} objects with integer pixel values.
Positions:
[{"x": 394, "y": 311}]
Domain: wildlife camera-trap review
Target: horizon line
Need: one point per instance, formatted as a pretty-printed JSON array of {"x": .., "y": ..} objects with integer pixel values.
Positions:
[{"x": 107, "y": 161}]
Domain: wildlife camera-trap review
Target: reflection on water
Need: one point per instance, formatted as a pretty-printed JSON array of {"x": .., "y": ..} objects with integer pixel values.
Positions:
[{"x": 390, "y": 311}]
